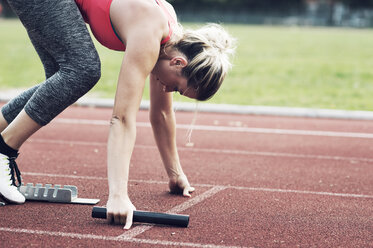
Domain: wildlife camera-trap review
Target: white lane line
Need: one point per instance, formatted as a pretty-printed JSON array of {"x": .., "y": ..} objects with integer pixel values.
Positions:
[
  {"x": 210, "y": 150},
  {"x": 109, "y": 238},
  {"x": 134, "y": 231},
  {"x": 210, "y": 186},
  {"x": 306, "y": 192},
  {"x": 195, "y": 200},
  {"x": 37, "y": 174},
  {"x": 180, "y": 244},
  {"x": 59, "y": 234},
  {"x": 177, "y": 209},
  {"x": 67, "y": 142},
  {"x": 231, "y": 129}
]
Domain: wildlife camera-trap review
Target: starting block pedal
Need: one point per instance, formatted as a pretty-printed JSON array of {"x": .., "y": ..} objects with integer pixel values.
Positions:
[{"x": 56, "y": 193}]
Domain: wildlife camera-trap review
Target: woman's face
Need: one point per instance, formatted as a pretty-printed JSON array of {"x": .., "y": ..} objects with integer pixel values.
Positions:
[{"x": 168, "y": 73}]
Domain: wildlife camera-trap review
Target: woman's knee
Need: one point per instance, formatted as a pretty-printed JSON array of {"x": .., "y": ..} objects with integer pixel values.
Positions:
[
  {"x": 92, "y": 68},
  {"x": 92, "y": 72},
  {"x": 86, "y": 75}
]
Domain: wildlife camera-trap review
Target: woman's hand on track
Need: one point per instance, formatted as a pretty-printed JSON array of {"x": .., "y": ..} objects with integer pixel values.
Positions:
[
  {"x": 120, "y": 211},
  {"x": 180, "y": 185}
]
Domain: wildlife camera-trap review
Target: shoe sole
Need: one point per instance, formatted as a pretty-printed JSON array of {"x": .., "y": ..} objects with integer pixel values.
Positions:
[{"x": 7, "y": 201}]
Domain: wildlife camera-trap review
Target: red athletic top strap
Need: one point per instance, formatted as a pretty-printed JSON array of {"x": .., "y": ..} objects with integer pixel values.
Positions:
[{"x": 170, "y": 19}]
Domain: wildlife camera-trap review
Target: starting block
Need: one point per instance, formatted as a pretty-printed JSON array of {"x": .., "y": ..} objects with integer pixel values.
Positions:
[{"x": 56, "y": 193}]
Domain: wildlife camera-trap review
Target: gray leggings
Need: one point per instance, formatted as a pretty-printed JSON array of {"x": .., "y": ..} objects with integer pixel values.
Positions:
[{"x": 71, "y": 63}]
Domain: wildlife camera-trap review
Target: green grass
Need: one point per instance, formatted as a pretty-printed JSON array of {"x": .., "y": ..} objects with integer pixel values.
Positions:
[{"x": 274, "y": 66}]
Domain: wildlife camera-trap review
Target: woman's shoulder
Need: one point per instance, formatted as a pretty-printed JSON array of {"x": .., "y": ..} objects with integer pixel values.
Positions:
[
  {"x": 170, "y": 9},
  {"x": 137, "y": 8},
  {"x": 128, "y": 15}
]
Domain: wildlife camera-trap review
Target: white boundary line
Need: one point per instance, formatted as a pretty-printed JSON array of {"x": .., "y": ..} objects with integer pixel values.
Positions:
[
  {"x": 88, "y": 101},
  {"x": 109, "y": 238},
  {"x": 242, "y": 109},
  {"x": 230, "y": 129},
  {"x": 211, "y": 150},
  {"x": 177, "y": 209},
  {"x": 210, "y": 186}
]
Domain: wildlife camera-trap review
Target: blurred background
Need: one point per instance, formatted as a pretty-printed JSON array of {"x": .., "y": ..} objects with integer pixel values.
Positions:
[
  {"x": 293, "y": 53},
  {"x": 352, "y": 13},
  {"x": 348, "y": 13}
]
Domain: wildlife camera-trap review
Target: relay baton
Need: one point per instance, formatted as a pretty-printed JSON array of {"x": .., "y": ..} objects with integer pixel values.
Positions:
[{"x": 149, "y": 217}]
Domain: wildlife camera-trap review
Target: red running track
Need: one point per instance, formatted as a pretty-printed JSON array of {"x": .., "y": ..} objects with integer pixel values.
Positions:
[{"x": 260, "y": 182}]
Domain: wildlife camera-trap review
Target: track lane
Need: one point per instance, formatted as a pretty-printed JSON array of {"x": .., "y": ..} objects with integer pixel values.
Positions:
[{"x": 286, "y": 190}]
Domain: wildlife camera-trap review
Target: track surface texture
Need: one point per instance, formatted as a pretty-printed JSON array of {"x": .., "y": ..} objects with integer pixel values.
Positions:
[{"x": 260, "y": 182}]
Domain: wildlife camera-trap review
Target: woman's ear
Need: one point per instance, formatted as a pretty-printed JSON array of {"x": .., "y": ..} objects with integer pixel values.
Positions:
[{"x": 179, "y": 61}]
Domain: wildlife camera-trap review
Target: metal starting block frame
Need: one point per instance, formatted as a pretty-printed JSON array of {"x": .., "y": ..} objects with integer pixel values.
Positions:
[{"x": 56, "y": 193}]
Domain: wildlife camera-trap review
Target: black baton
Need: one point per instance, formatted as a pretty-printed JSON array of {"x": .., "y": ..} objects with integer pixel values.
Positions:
[{"x": 149, "y": 217}]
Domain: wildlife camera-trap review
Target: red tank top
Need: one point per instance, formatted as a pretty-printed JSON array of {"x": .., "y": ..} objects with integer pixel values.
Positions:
[{"x": 97, "y": 14}]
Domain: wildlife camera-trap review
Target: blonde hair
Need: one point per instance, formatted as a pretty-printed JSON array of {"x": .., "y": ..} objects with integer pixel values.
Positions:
[{"x": 208, "y": 51}]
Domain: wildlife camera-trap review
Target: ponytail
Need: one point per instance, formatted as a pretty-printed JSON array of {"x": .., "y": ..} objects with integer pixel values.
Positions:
[{"x": 208, "y": 51}]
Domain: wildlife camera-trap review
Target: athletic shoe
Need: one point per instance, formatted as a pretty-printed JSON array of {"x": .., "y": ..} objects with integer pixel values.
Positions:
[{"x": 8, "y": 186}]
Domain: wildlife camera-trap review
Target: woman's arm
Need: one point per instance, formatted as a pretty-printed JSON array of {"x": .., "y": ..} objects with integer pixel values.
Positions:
[
  {"x": 142, "y": 49},
  {"x": 162, "y": 118}
]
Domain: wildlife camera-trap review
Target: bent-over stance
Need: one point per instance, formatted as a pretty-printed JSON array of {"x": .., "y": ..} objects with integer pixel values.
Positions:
[{"x": 191, "y": 62}]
